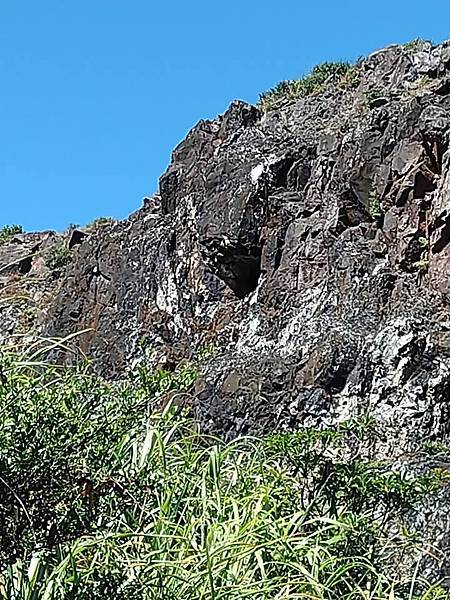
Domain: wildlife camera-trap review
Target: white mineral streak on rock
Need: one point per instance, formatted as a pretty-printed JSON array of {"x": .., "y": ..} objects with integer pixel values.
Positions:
[
  {"x": 167, "y": 294},
  {"x": 288, "y": 338},
  {"x": 250, "y": 339},
  {"x": 256, "y": 173}
]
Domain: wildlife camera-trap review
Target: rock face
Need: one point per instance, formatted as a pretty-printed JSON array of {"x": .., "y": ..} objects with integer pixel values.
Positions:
[
  {"x": 27, "y": 286},
  {"x": 309, "y": 245}
]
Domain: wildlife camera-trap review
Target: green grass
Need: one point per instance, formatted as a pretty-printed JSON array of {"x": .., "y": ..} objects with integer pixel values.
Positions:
[
  {"x": 7, "y": 232},
  {"x": 109, "y": 489},
  {"x": 100, "y": 222},
  {"x": 415, "y": 45},
  {"x": 309, "y": 84},
  {"x": 375, "y": 210},
  {"x": 436, "y": 448}
]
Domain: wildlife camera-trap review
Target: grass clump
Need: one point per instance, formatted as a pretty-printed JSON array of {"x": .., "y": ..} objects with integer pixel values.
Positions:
[
  {"x": 101, "y": 221},
  {"x": 109, "y": 489},
  {"x": 436, "y": 448},
  {"x": 351, "y": 78},
  {"x": 424, "y": 82},
  {"x": 414, "y": 45},
  {"x": 375, "y": 209},
  {"x": 307, "y": 85},
  {"x": 7, "y": 232}
]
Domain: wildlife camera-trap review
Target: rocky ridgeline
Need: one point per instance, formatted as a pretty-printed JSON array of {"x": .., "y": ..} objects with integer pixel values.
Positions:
[{"x": 308, "y": 244}]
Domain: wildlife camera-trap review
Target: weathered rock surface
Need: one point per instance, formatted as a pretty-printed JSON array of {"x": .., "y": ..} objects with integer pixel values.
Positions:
[{"x": 310, "y": 245}]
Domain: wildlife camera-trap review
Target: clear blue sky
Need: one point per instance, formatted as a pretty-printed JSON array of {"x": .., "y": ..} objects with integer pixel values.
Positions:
[{"x": 96, "y": 93}]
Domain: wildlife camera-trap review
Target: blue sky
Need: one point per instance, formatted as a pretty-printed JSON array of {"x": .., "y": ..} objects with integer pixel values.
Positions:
[{"x": 96, "y": 93}]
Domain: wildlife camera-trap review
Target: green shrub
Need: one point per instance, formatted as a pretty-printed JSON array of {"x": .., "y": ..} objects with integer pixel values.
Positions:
[
  {"x": 100, "y": 222},
  {"x": 299, "y": 88},
  {"x": 7, "y": 232},
  {"x": 109, "y": 489},
  {"x": 351, "y": 78},
  {"x": 58, "y": 256}
]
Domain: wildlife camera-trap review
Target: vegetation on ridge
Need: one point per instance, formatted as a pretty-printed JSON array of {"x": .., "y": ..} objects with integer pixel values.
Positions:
[
  {"x": 109, "y": 488},
  {"x": 7, "y": 232},
  {"x": 309, "y": 84},
  {"x": 346, "y": 74},
  {"x": 415, "y": 44}
]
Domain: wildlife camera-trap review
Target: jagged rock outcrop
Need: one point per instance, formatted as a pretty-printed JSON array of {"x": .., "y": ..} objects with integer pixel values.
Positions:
[{"x": 310, "y": 245}]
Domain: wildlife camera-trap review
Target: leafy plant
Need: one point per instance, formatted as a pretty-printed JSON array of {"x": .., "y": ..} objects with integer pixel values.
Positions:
[
  {"x": 424, "y": 82},
  {"x": 7, "y": 232},
  {"x": 423, "y": 247},
  {"x": 435, "y": 448},
  {"x": 307, "y": 85},
  {"x": 422, "y": 264},
  {"x": 109, "y": 489},
  {"x": 58, "y": 256}
]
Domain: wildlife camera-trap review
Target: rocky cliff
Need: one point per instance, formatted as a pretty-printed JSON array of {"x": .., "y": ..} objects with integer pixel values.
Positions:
[{"x": 307, "y": 244}]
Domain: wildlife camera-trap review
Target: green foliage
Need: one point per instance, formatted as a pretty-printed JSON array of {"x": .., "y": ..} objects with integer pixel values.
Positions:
[
  {"x": 58, "y": 256},
  {"x": 109, "y": 489},
  {"x": 375, "y": 210},
  {"x": 206, "y": 352},
  {"x": 436, "y": 448},
  {"x": 7, "y": 232},
  {"x": 154, "y": 382},
  {"x": 355, "y": 486},
  {"x": 307, "y": 85},
  {"x": 422, "y": 264},
  {"x": 423, "y": 248},
  {"x": 100, "y": 222},
  {"x": 414, "y": 45},
  {"x": 424, "y": 82},
  {"x": 351, "y": 78}
]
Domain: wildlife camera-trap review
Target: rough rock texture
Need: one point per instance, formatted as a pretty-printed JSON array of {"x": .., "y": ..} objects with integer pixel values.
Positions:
[
  {"x": 27, "y": 286},
  {"x": 310, "y": 245},
  {"x": 30, "y": 280}
]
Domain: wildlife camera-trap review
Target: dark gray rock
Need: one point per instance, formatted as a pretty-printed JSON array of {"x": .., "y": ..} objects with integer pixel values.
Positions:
[
  {"x": 310, "y": 241},
  {"x": 310, "y": 246}
]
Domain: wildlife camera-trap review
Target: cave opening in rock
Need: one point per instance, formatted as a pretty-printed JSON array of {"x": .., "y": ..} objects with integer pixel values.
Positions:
[
  {"x": 444, "y": 237},
  {"x": 24, "y": 266},
  {"x": 422, "y": 186},
  {"x": 280, "y": 171},
  {"x": 244, "y": 275},
  {"x": 237, "y": 265},
  {"x": 77, "y": 237}
]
